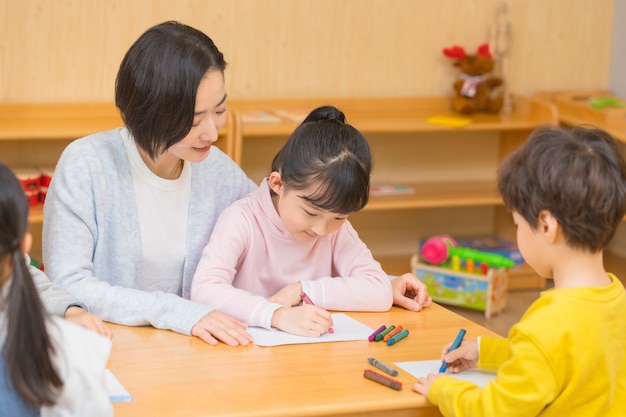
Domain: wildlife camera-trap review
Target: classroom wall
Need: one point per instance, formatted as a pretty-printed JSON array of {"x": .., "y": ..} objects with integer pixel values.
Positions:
[{"x": 69, "y": 50}]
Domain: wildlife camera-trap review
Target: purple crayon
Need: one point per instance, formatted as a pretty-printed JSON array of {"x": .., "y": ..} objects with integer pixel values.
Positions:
[{"x": 372, "y": 337}]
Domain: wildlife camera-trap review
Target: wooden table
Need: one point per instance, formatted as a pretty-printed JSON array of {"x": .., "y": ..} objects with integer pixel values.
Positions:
[{"x": 175, "y": 375}]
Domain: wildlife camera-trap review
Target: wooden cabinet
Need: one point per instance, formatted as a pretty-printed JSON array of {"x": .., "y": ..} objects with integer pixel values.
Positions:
[
  {"x": 451, "y": 170},
  {"x": 575, "y": 108},
  {"x": 33, "y": 136}
]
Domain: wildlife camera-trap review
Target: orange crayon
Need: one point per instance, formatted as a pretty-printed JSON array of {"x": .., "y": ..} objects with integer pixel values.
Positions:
[{"x": 392, "y": 333}]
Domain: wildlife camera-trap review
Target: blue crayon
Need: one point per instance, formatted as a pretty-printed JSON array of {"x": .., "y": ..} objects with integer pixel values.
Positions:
[
  {"x": 457, "y": 342},
  {"x": 404, "y": 333}
]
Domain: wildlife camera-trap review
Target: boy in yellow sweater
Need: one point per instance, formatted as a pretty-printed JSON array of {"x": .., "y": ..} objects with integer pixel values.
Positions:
[{"x": 567, "y": 355}]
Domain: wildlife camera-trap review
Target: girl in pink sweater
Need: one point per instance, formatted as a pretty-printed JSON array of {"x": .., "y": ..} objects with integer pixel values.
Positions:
[{"x": 292, "y": 235}]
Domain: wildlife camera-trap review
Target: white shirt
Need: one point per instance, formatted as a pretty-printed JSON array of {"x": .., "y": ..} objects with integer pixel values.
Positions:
[{"x": 164, "y": 242}]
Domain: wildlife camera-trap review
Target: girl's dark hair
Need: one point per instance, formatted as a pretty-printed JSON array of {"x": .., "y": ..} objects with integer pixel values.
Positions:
[
  {"x": 158, "y": 80},
  {"x": 28, "y": 348},
  {"x": 578, "y": 175},
  {"x": 326, "y": 152}
]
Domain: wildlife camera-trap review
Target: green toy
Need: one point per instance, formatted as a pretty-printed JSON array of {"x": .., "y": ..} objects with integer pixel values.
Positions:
[{"x": 599, "y": 103}]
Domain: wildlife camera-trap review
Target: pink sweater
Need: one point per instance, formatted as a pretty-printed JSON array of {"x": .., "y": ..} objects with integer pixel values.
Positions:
[{"x": 251, "y": 256}]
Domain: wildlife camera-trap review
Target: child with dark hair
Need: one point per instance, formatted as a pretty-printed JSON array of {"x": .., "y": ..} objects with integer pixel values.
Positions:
[
  {"x": 292, "y": 235},
  {"x": 47, "y": 365},
  {"x": 567, "y": 355}
]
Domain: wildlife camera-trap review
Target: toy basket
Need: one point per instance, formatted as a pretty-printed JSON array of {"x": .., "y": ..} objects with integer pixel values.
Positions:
[{"x": 477, "y": 291}]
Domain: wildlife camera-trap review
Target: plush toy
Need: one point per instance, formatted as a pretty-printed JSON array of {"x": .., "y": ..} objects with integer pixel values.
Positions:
[{"x": 475, "y": 92}]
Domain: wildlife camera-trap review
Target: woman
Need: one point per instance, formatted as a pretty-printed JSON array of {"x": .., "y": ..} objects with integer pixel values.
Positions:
[{"x": 129, "y": 210}]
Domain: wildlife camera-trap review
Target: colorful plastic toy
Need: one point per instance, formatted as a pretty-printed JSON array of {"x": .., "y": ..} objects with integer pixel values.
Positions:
[{"x": 437, "y": 250}]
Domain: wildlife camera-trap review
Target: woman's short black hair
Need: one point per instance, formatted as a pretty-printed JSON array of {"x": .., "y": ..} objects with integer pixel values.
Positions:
[
  {"x": 326, "y": 152},
  {"x": 158, "y": 80}
]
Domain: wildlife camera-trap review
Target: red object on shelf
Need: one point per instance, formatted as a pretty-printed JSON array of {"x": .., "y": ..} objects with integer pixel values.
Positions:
[
  {"x": 44, "y": 183},
  {"x": 29, "y": 178}
]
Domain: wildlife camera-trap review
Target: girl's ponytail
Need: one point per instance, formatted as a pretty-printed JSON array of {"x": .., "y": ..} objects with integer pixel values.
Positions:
[{"x": 28, "y": 349}]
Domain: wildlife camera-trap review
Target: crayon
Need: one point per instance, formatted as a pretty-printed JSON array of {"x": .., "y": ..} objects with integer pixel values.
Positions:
[
  {"x": 392, "y": 333},
  {"x": 382, "y": 366},
  {"x": 382, "y": 334},
  {"x": 372, "y": 337},
  {"x": 404, "y": 333},
  {"x": 381, "y": 379},
  {"x": 307, "y": 300},
  {"x": 457, "y": 342}
]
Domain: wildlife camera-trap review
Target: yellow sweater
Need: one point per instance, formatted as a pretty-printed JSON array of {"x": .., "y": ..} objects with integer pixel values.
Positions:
[{"x": 566, "y": 357}]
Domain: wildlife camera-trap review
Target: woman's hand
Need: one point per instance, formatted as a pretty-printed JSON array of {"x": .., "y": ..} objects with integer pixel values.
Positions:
[
  {"x": 218, "y": 326},
  {"x": 87, "y": 320}
]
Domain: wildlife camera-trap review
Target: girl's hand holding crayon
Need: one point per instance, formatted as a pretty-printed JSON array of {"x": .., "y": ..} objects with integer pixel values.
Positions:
[{"x": 305, "y": 320}]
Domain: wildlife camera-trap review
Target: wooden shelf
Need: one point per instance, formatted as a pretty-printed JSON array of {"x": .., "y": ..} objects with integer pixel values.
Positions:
[
  {"x": 439, "y": 194},
  {"x": 55, "y": 121},
  {"x": 35, "y": 214},
  {"x": 436, "y": 161},
  {"x": 395, "y": 114},
  {"x": 33, "y": 135},
  {"x": 454, "y": 191},
  {"x": 575, "y": 108}
]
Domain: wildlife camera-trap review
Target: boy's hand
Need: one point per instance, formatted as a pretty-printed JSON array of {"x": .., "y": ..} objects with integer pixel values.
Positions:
[
  {"x": 218, "y": 326},
  {"x": 424, "y": 383},
  {"x": 462, "y": 358},
  {"x": 289, "y": 295},
  {"x": 87, "y": 320},
  {"x": 305, "y": 320},
  {"x": 409, "y": 292}
]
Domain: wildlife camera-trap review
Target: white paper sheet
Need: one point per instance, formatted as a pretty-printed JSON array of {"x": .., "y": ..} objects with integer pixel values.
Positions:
[
  {"x": 422, "y": 368},
  {"x": 117, "y": 392},
  {"x": 346, "y": 328}
]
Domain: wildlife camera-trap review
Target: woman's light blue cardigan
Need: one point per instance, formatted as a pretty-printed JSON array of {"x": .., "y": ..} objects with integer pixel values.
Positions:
[{"x": 91, "y": 241}]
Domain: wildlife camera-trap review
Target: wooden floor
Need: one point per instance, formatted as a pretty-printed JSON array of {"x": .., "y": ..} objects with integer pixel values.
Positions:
[{"x": 518, "y": 301}]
